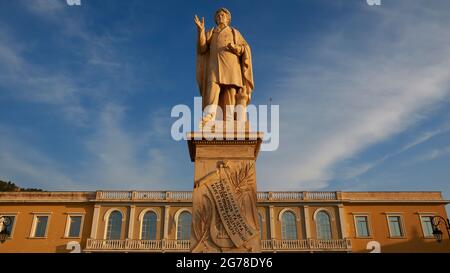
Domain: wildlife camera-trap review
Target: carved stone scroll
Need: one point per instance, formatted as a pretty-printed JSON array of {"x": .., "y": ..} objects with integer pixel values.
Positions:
[{"x": 225, "y": 218}]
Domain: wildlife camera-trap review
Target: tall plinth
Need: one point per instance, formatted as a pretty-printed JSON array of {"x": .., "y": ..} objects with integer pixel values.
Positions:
[{"x": 224, "y": 212}]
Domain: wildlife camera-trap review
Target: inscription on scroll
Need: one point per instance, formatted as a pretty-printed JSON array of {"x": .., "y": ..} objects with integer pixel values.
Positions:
[
  {"x": 225, "y": 218},
  {"x": 237, "y": 227}
]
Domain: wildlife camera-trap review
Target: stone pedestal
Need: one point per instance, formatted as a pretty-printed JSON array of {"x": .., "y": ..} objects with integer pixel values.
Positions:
[{"x": 224, "y": 213}]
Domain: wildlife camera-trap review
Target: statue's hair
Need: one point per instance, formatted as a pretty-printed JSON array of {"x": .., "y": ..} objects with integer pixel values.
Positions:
[{"x": 223, "y": 10}]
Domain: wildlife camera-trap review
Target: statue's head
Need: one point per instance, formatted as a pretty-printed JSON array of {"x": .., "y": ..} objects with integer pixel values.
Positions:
[{"x": 222, "y": 16}]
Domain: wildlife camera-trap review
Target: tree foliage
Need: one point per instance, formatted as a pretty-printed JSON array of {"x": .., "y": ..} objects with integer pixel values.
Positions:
[{"x": 10, "y": 186}]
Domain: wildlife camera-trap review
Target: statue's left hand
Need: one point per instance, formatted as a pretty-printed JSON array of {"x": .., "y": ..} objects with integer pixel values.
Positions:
[{"x": 233, "y": 48}]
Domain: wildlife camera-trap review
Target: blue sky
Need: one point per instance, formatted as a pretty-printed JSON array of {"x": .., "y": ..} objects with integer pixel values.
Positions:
[{"x": 364, "y": 92}]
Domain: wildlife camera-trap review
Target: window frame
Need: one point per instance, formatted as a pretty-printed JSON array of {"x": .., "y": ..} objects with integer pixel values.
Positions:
[
  {"x": 11, "y": 214},
  {"x": 106, "y": 219},
  {"x": 283, "y": 232},
  {"x": 141, "y": 222},
  {"x": 34, "y": 224},
  {"x": 369, "y": 224},
  {"x": 69, "y": 224},
  {"x": 330, "y": 222},
  {"x": 421, "y": 215},
  {"x": 177, "y": 221},
  {"x": 402, "y": 225}
]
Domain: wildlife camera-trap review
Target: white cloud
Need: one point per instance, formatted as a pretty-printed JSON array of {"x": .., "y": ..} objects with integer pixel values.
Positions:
[
  {"x": 120, "y": 159},
  {"x": 423, "y": 138},
  {"x": 356, "y": 170},
  {"x": 114, "y": 158},
  {"x": 430, "y": 155},
  {"x": 351, "y": 172},
  {"x": 48, "y": 8},
  {"x": 30, "y": 82},
  {"x": 63, "y": 88},
  {"x": 21, "y": 162},
  {"x": 350, "y": 97}
]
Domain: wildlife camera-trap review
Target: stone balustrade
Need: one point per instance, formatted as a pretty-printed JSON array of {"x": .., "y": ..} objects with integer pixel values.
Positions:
[
  {"x": 309, "y": 245},
  {"x": 306, "y": 245},
  {"x": 143, "y": 245},
  {"x": 186, "y": 196}
]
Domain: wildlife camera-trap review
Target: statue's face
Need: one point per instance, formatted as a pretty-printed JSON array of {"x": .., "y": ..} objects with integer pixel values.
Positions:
[{"x": 222, "y": 18}]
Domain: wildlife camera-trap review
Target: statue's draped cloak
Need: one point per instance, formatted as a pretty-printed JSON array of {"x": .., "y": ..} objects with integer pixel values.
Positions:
[{"x": 245, "y": 62}]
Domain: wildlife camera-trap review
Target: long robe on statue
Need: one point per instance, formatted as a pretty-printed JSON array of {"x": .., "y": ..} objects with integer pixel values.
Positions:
[{"x": 216, "y": 63}]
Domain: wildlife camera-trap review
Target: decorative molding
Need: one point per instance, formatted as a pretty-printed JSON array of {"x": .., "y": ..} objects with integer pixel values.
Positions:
[
  {"x": 327, "y": 211},
  {"x": 143, "y": 212},
  {"x": 111, "y": 210},
  {"x": 280, "y": 214}
]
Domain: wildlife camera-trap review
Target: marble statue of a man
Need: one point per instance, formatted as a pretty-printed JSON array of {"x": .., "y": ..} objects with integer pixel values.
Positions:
[{"x": 224, "y": 67}]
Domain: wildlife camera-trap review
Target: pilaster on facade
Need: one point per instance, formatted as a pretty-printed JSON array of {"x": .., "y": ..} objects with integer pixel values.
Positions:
[
  {"x": 272, "y": 222},
  {"x": 307, "y": 225},
  {"x": 342, "y": 222},
  {"x": 166, "y": 222},
  {"x": 95, "y": 219},
  {"x": 131, "y": 222}
]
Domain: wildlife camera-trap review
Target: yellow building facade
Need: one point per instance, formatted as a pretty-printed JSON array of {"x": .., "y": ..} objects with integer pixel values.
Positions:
[{"x": 157, "y": 221}]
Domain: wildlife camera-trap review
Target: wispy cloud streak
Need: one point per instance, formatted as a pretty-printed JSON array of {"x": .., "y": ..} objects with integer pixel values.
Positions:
[{"x": 358, "y": 90}]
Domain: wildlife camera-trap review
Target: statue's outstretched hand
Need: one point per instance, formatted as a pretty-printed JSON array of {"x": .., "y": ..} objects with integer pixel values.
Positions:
[{"x": 200, "y": 24}]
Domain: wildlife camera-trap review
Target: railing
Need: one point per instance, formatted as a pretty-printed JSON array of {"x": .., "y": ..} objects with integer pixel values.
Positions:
[
  {"x": 145, "y": 195},
  {"x": 143, "y": 244},
  {"x": 306, "y": 245},
  {"x": 105, "y": 244},
  {"x": 293, "y": 195},
  {"x": 296, "y": 196},
  {"x": 139, "y": 245},
  {"x": 180, "y": 195},
  {"x": 154, "y": 195},
  {"x": 186, "y": 196},
  {"x": 184, "y": 245},
  {"x": 115, "y": 195},
  {"x": 331, "y": 244},
  {"x": 175, "y": 245},
  {"x": 262, "y": 195},
  {"x": 320, "y": 195},
  {"x": 290, "y": 244}
]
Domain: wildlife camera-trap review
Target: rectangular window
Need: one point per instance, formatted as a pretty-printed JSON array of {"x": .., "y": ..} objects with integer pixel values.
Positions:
[
  {"x": 427, "y": 227},
  {"x": 75, "y": 226},
  {"x": 40, "y": 229},
  {"x": 362, "y": 227},
  {"x": 11, "y": 221},
  {"x": 395, "y": 226}
]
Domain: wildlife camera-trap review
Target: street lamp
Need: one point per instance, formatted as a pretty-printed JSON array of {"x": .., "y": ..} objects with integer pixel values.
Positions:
[
  {"x": 5, "y": 222},
  {"x": 435, "y": 222}
]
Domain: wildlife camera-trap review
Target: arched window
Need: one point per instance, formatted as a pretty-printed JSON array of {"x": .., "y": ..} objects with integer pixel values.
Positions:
[
  {"x": 114, "y": 228},
  {"x": 288, "y": 226},
  {"x": 149, "y": 226},
  {"x": 323, "y": 226},
  {"x": 184, "y": 226},
  {"x": 261, "y": 227}
]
